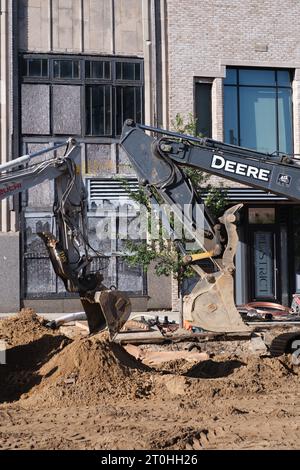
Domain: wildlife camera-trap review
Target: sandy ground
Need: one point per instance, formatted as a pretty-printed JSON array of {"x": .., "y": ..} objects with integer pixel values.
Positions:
[{"x": 87, "y": 393}]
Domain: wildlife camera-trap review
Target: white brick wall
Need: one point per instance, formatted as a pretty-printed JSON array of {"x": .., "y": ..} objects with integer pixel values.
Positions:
[{"x": 206, "y": 35}]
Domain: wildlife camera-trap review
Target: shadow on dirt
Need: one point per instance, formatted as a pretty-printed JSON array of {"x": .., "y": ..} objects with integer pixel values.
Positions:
[
  {"x": 214, "y": 370},
  {"x": 20, "y": 373}
]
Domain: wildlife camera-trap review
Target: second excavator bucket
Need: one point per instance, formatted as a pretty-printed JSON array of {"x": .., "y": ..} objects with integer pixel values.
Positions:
[{"x": 107, "y": 309}]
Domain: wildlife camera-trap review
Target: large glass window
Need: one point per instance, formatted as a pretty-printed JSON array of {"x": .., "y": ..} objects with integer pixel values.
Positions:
[
  {"x": 88, "y": 97},
  {"x": 98, "y": 93},
  {"x": 258, "y": 109}
]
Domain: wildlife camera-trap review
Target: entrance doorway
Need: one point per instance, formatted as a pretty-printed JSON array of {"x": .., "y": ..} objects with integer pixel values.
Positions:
[{"x": 267, "y": 254}]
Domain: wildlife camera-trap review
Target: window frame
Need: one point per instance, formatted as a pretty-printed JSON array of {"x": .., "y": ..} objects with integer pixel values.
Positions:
[
  {"x": 60, "y": 78},
  {"x": 26, "y": 65},
  {"x": 237, "y": 86},
  {"x": 85, "y": 82}
]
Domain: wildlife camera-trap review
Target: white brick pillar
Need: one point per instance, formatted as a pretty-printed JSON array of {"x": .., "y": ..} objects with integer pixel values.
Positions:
[
  {"x": 175, "y": 296},
  {"x": 217, "y": 109},
  {"x": 7, "y": 216}
]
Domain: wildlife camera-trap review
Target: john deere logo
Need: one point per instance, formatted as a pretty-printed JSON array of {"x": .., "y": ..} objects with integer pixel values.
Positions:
[
  {"x": 230, "y": 166},
  {"x": 284, "y": 180}
]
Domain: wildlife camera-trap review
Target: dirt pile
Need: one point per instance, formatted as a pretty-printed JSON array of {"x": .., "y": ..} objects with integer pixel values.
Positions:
[
  {"x": 264, "y": 374},
  {"x": 88, "y": 370},
  {"x": 228, "y": 376},
  {"x": 23, "y": 328},
  {"x": 29, "y": 345}
]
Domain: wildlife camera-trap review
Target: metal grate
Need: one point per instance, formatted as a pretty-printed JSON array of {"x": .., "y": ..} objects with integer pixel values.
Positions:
[
  {"x": 249, "y": 194},
  {"x": 103, "y": 188}
]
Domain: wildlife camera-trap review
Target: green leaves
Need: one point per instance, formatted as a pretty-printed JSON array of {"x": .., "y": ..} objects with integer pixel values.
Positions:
[
  {"x": 216, "y": 200},
  {"x": 182, "y": 126},
  {"x": 166, "y": 259}
]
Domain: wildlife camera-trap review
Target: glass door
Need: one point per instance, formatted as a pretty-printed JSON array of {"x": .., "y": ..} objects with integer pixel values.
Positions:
[
  {"x": 264, "y": 265},
  {"x": 263, "y": 254}
]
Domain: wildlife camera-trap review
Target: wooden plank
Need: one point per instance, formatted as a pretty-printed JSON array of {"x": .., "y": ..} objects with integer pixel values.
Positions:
[{"x": 143, "y": 337}]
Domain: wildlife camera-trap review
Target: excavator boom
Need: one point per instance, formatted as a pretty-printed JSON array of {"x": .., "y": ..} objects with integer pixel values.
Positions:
[{"x": 158, "y": 162}]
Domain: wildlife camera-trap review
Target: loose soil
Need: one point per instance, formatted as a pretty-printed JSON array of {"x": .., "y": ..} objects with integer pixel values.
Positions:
[{"x": 88, "y": 393}]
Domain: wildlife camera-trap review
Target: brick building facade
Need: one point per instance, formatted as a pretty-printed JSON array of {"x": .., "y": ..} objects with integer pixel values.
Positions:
[
  {"x": 207, "y": 40},
  {"x": 206, "y": 37},
  {"x": 65, "y": 62}
]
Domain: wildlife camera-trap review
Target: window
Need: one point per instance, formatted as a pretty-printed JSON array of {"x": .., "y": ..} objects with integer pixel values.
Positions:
[
  {"x": 35, "y": 68},
  {"x": 39, "y": 277},
  {"x": 109, "y": 105},
  {"x": 128, "y": 71},
  {"x": 86, "y": 96},
  {"x": 113, "y": 219},
  {"x": 128, "y": 104},
  {"x": 258, "y": 109},
  {"x": 203, "y": 108},
  {"x": 97, "y": 69},
  {"x": 98, "y": 110},
  {"x": 66, "y": 68}
]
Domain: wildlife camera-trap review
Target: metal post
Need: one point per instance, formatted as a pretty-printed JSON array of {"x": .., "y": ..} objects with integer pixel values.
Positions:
[{"x": 180, "y": 305}]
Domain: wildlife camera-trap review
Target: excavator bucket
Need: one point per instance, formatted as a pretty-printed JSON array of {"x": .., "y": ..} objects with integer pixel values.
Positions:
[
  {"x": 211, "y": 305},
  {"x": 108, "y": 309}
]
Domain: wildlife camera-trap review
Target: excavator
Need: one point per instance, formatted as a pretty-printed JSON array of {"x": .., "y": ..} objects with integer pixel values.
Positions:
[
  {"x": 69, "y": 252},
  {"x": 158, "y": 157}
]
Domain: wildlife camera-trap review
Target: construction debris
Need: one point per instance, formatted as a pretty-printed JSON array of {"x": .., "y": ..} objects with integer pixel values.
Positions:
[{"x": 153, "y": 358}]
